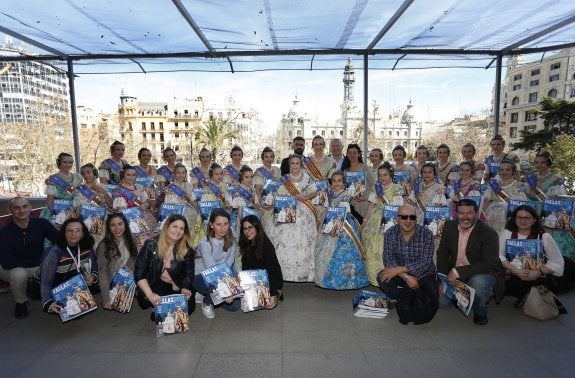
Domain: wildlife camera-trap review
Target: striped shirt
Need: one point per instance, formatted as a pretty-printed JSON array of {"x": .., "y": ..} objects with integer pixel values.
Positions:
[{"x": 416, "y": 254}]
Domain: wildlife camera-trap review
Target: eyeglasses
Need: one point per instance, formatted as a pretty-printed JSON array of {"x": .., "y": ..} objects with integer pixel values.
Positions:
[
  {"x": 406, "y": 217},
  {"x": 524, "y": 219},
  {"x": 248, "y": 228}
]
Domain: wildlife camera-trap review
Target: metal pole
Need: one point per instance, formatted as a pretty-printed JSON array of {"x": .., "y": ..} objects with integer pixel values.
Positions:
[
  {"x": 365, "y": 109},
  {"x": 497, "y": 105},
  {"x": 74, "y": 115}
]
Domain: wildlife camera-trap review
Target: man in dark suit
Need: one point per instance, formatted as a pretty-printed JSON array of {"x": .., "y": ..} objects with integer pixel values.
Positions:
[
  {"x": 469, "y": 251},
  {"x": 298, "y": 145}
]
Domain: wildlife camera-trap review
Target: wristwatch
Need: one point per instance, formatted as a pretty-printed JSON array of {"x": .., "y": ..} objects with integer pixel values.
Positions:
[{"x": 404, "y": 276}]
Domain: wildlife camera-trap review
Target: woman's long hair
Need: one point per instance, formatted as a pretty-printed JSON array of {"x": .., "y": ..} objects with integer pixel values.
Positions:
[
  {"x": 111, "y": 251},
  {"x": 229, "y": 238},
  {"x": 85, "y": 243},
  {"x": 257, "y": 243},
  {"x": 182, "y": 245},
  {"x": 537, "y": 227}
]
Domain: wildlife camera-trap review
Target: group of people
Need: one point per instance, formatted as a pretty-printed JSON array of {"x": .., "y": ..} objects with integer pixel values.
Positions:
[{"x": 243, "y": 230}]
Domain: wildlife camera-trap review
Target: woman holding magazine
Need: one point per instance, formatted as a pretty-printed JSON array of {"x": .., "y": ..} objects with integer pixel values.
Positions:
[
  {"x": 529, "y": 269},
  {"x": 244, "y": 197},
  {"x": 180, "y": 192},
  {"x": 96, "y": 190},
  {"x": 60, "y": 185},
  {"x": 325, "y": 164},
  {"x": 109, "y": 170},
  {"x": 427, "y": 192},
  {"x": 339, "y": 255},
  {"x": 218, "y": 246},
  {"x": 72, "y": 255},
  {"x": 264, "y": 179},
  {"x": 499, "y": 192},
  {"x": 165, "y": 265},
  {"x": 214, "y": 190},
  {"x": 296, "y": 238},
  {"x": 465, "y": 185},
  {"x": 402, "y": 169},
  {"x": 353, "y": 162},
  {"x": 384, "y": 192},
  {"x": 258, "y": 252},
  {"x": 115, "y": 251}
]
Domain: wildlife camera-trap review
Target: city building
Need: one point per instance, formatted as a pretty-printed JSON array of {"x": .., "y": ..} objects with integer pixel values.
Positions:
[{"x": 526, "y": 84}]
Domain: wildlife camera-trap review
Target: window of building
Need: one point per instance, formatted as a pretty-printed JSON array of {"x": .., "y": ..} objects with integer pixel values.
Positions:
[
  {"x": 152, "y": 126},
  {"x": 554, "y": 77},
  {"x": 161, "y": 125},
  {"x": 530, "y": 116},
  {"x": 298, "y": 132},
  {"x": 186, "y": 125},
  {"x": 340, "y": 132},
  {"x": 177, "y": 135},
  {"x": 535, "y": 72},
  {"x": 515, "y": 101},
  {"x": 313, "y": 132},
  {"x": 389, "y": 133},
  {"x": 143, "y": 125},
  {"x": 405, "y": 144},
  {"x": 185, "y": 111},
  {"x": 534, "y": 83},
  {"x": 323, "y": 133},
  {"x": 517, "y": 77},
  {"x": 513, "y": 132},
  {"x": 514, "y": 117},
  {"x": 533, "y": 97},
  {"x": 517, "y": 87},
  {"x": 405, "y": 133},
  {"x": 552, "y": 93},
  {"x": 290, "y": 133},
  {"x": 572, "y": 92},
  {"x": 331, "y": 133},
  {"x": 176, "y": 125},
  {"x": 397, "y": 133},
  {"x": 555, "y": 66}
]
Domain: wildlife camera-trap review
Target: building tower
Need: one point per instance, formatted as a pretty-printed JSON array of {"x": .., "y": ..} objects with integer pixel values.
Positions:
[{"x": 348, "y": 91}]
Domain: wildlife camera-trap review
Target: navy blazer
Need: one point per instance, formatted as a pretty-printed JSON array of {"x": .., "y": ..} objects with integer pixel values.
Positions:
[{"x": 482, "y": 253}]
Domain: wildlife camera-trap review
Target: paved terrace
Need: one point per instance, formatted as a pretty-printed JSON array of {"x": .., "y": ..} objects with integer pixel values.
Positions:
[{"x": 312, "y": 333}]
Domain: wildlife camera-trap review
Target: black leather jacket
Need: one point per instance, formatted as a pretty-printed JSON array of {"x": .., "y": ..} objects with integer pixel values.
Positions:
[{"x": 149, "y": 265}]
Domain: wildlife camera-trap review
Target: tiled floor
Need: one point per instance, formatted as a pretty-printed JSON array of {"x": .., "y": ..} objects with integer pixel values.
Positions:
[{"x": 312, "y": 333}]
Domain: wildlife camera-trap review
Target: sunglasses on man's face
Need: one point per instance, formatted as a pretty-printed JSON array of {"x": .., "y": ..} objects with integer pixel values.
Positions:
[{"x": 406, "y": 217}]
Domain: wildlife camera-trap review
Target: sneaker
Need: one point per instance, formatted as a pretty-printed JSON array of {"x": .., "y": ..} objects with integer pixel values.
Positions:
[
  {"x": 480, "y": 320},
  {"x": 21, "y": 310},
  {"x": 199, "y": 298},
  {"x": 208, "y": 311}
]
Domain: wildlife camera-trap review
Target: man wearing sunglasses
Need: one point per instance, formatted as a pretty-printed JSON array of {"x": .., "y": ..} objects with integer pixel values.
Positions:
[
  {"x": 408, "y": 259},
  {"x": 468, "y": 252}
]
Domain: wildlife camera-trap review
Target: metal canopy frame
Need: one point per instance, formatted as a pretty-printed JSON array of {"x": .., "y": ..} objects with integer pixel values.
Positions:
[{"x": 355, "y": 18}]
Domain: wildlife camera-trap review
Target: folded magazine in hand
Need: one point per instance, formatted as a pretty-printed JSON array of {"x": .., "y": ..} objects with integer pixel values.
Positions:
[
  {"x": 172, "y": 315},
  {"x": 268, "y": 191},
  {"x": 556, "y": 213},
  {"x": 222, "y": 283},
  {"x": 74, "y": 297},
  {"x": 515, "y": 203},
  {"x": 435, "y": 217},
  {"x": 206, "y": 208},
  {"x": 355, "y": 183},
  {"x": 369, "y": 304},
  {"x": 93, "y": 217},
  {"x": 334, "y": 220},
  {"x": 122, "y": 289},
  {"x": 136, "y": 220},
  {"x": 168, "y": 209},
  {"x": 461, "y": 295},
  {"x": 285, "y": 209},
  {"x": 524, "y": 253},
  {"x": 256, "y": 288},
  {"x": 249, "y": 210},
  {"x": 388, "y": 217},
  {"x": 62, "y": 210},
  {"x": 321, "y": 198}
]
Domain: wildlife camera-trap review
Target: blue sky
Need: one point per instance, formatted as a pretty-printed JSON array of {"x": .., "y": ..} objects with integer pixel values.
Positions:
[{"x": 437, "y": 94}]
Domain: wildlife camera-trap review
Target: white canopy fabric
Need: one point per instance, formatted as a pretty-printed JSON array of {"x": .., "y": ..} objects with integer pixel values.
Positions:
[{"x": 108, "y": 36}]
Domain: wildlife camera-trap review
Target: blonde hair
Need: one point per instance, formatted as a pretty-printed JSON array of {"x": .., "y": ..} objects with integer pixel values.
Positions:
[{"x": 182, "y": 246}]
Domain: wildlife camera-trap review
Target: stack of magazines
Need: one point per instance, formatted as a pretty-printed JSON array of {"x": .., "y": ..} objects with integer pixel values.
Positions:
[{"x": 369, "y": 304}]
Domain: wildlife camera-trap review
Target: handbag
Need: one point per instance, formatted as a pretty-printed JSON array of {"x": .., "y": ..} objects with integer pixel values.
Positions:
[{"x": 540, "y": 303}]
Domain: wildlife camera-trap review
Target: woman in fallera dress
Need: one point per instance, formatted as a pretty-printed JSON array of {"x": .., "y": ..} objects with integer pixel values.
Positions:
[
  {"x": 549, "y": 184},
  {"x": 339, "y": 255},
  {"x": 422, "y": 155},
  {"x": 184, "y": 197},
  {"x": 468, "y": 153},
  {"x": 232, "y": 171},
  {"x": 244, "y": 197},
  {"x": 261, "y": 176},
  {"x": 165, "y": 174},
  {"x": 109, "y": 170},
  {"x": 376, "y": 159},
  {"x": 296, "y": 242},
  {"x": 204, "y": 167},
  {"x": 447, "y": 170},
  {"x": 60, "y": 185},
  {"x": 371, "y": 235},
  {"x": 465, "y": 185},
  {"x": 214, "y": 190},
  {"x": 428, "y": 192},
  {"x": 324, "y": 163},
  {"x": 492, "y": 161},
  {"x": 399, "y": 154}
]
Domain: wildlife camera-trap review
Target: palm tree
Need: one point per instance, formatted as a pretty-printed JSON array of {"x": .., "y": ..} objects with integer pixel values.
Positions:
[{"x": 213, "y": 133}]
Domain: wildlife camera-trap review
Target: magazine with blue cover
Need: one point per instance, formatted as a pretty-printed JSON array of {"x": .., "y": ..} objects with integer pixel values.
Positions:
[
  {"x": 268, "y": 191},
  {"x": 122, "y": 289},
  {"x": 322, "y": 187},
  {"x": 222, "y": 283},
  {"x": 476, "y": 199},
  {"x": 371, "y": 304},
  {"x": 136, "y": 220},
  {"x": 460, "y": 294},
  {"x": 62, "y": 210},
  {"x": 557, "y": 213},
  {"x": 515, "y": 203},
  {"x": 168, "y": 209},
  {"x": 198, "y": 192},
  {"x": 285, "y": 209},
  {"x": 524, "y": 253},
  {"x": 146, "y": 181},
  {"x": 399, "y": 177},
  {"x": 74, "y": 297},
  {"x": 206, "y": 208},
  {"x": 172, "y": 315},
  {"x": 355, "y": 182},
  {"x": 256, "y": 287},
  {"x": 249, "y": 210},
  {"x": 334, "y": 220},
  {"x": 388, "y": 217},
  {"x": 93, "y": 217},
  {"x": 435, "y": 217},
  {"x": 111, "y": 188}
]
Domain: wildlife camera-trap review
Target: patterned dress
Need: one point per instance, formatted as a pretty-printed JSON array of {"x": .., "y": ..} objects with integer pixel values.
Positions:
[
  {"x": 496, "y": 210},
  {"x": 72, "y": 180},
  {"x": 267, "y": 214}
]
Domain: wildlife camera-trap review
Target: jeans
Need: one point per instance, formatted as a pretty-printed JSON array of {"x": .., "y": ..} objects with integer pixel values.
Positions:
[
  {"x": 201, "y": 288},
  {"x": 484, "y": 285},
  {"x": 18, "y": 280}
]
